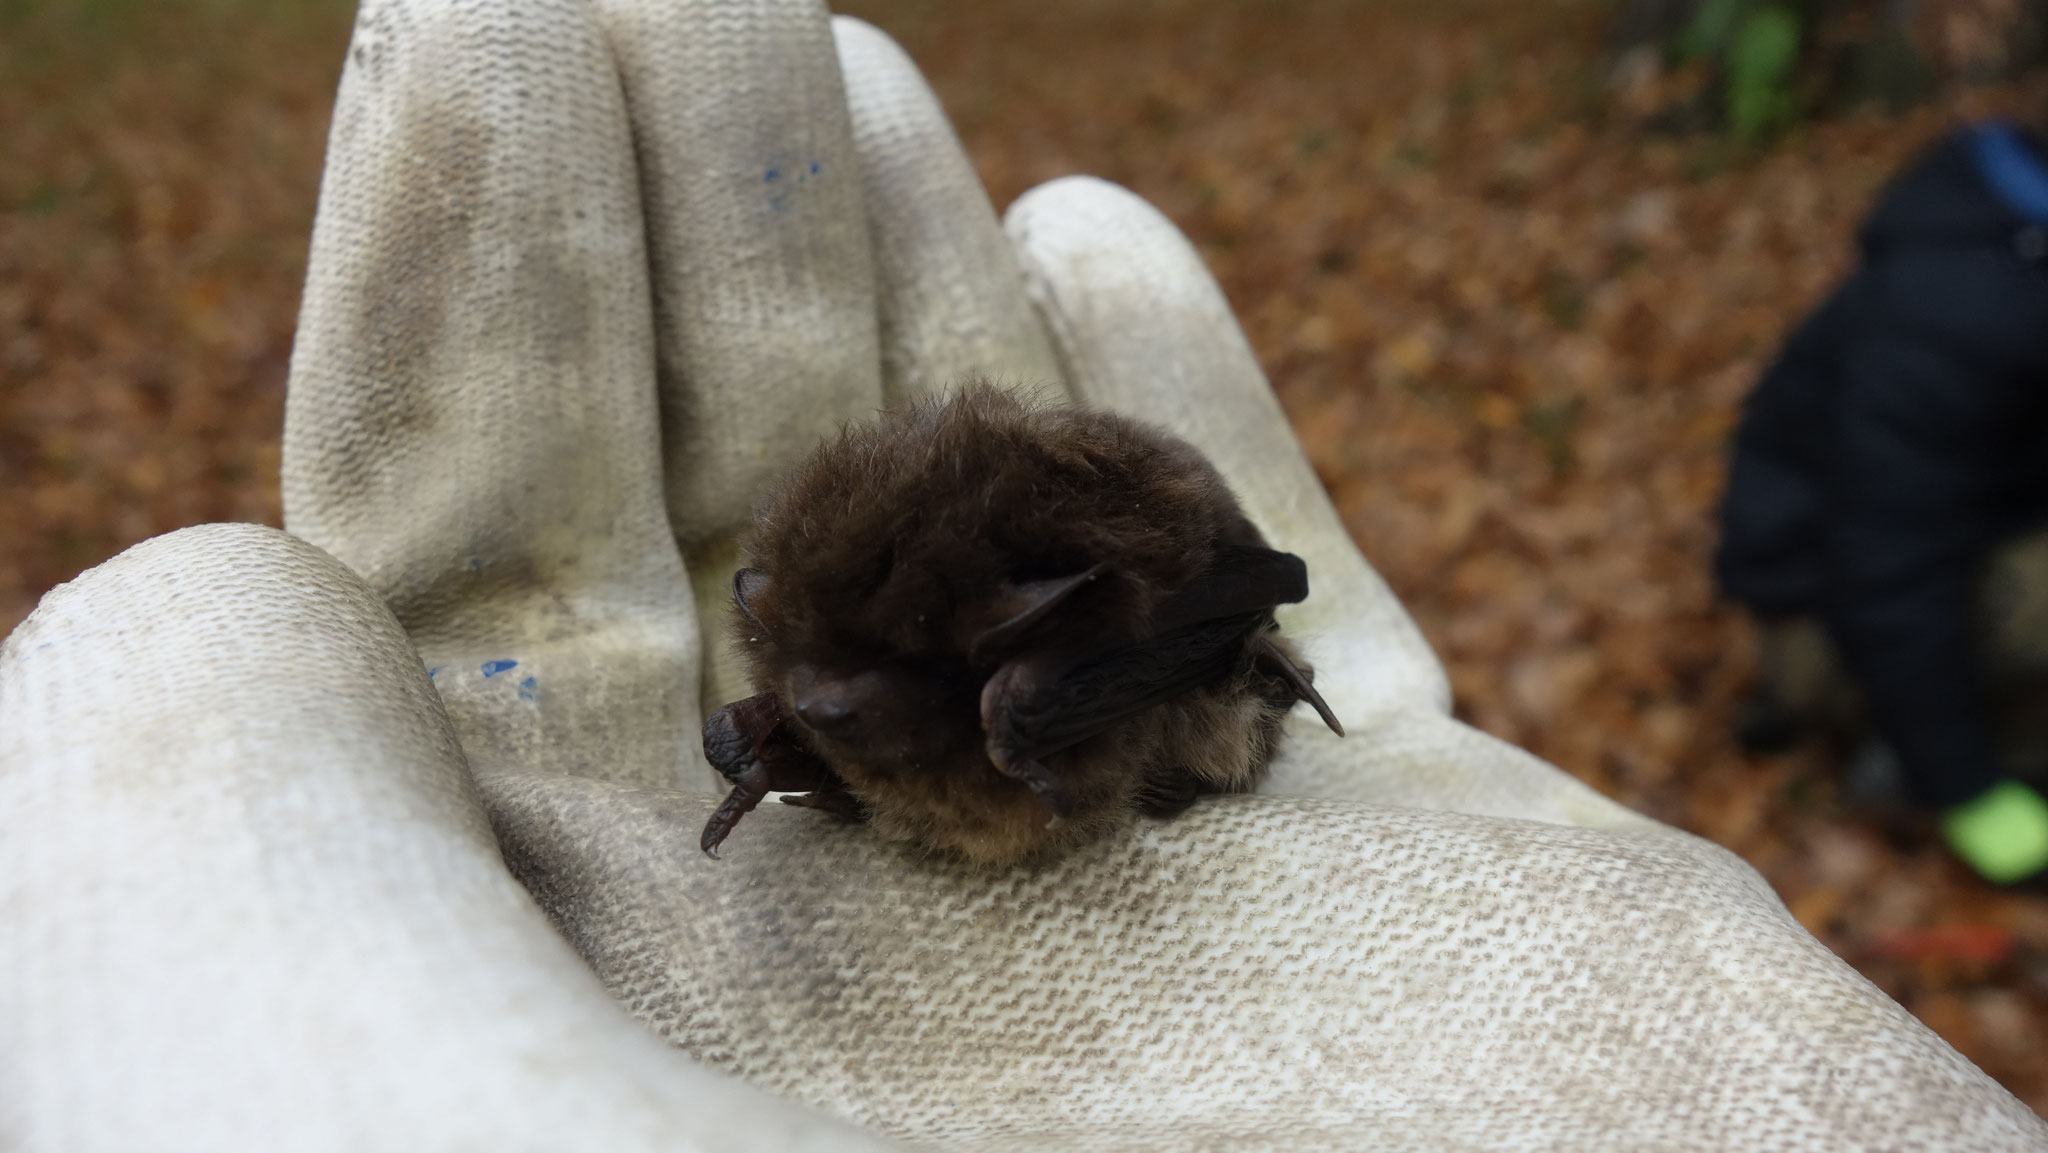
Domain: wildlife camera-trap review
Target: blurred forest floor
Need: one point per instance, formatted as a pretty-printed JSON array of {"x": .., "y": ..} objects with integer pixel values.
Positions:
[{"x": 1512, "y": 324}]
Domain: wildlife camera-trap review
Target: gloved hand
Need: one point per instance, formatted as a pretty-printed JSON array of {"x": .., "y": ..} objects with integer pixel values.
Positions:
[{"x": 584, "y": 278}]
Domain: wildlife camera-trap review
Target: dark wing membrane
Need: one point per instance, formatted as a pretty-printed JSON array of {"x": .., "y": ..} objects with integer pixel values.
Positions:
[
  {"x": 1043, "y": 710},
  {"x": 1240, "y": 580},
  {"x": 1030, "y": 603},
  {"x": 1039, "y": 704}
]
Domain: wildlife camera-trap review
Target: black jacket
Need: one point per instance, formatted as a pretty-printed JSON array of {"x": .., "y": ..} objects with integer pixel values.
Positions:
[{"x": 1904, "y": 430}]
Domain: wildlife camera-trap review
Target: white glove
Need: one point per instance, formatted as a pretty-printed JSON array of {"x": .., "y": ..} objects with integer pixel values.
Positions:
[{"x": 584, "y": 278}]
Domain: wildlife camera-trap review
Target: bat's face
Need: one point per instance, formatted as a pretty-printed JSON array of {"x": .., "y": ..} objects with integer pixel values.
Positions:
[
  {"x": 894, "y": 686},
  {"x": 886, "y": 713},
  {"x": 897, "y": 712},
  {"x": 878, "y": 714}
]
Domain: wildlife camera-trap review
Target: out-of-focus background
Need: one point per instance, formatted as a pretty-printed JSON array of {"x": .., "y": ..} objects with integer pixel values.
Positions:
[{"x": 1510, "y": 278}]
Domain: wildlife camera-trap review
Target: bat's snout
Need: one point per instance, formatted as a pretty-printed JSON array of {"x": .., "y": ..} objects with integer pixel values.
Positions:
[
  {"x": 828, "y": 708},
  {"x": 826, "y": 713},
  {"x": 837, "y": 706}
]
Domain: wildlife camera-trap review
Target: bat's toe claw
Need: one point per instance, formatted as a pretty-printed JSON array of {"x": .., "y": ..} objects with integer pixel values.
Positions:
[
  {"x": 720, "y": 826},
  {"x": 1049, "y": 789},
  {"x": 1273, "y": 659},
  {"x": 1060, "y": 803}
]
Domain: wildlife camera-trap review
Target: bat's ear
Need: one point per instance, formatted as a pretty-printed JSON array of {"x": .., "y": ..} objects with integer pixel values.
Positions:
[
  {"x": 746, "y": 584},
  {"x": 1020, "y": 606}
]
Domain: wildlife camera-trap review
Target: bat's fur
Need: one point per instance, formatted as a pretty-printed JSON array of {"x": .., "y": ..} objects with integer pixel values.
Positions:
[{"x": 890, "y": 550}]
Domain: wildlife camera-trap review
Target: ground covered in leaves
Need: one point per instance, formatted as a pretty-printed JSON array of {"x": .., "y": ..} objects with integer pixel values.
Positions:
[{"x": 1512, "y": 322}]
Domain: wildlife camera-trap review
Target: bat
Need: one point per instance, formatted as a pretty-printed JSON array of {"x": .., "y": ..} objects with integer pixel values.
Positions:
[{"x": 994, "y": 628}]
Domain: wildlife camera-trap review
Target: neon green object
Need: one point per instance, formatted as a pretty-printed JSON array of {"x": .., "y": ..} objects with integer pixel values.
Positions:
[{"x": 2002, "y": 834}]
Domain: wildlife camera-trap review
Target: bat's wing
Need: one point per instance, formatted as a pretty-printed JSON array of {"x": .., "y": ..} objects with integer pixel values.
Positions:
[
  {"x": 1240, "y": 580},
  {"x": 1245, "y": 579},
  {"x": 1038, "y": 704}
]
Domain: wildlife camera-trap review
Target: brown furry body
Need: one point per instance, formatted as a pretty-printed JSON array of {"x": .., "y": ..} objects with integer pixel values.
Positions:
[{"x": 889, "y": 551}]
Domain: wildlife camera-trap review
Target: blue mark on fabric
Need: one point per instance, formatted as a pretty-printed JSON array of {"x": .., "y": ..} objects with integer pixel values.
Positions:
[
  {"x": 435, "y": 671},
  {"x": 2012, "y": 168},
  {"x": 780, "y": 189},
  {"x": 528, "y": 689},
  {"x": 475, "y": 565},
  {"x": 46, "y": 646},
  {"x": 493, "y": 668}
]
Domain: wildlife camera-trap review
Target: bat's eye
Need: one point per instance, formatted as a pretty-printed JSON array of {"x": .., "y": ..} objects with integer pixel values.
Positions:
[{"x": 747, "y": 584}]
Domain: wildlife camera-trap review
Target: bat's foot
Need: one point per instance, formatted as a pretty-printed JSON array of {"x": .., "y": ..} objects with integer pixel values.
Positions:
[
  {"x": 750, "y": 745},
  {"x": 737, "y": 804}
]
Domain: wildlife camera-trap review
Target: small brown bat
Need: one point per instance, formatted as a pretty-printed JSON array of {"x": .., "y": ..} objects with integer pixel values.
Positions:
[{"x": 994, "y": 628}]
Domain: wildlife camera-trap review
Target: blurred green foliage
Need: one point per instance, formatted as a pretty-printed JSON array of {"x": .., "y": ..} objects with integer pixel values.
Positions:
[
  {"x": 1753, "y": 46},
  {"x": 1759, "y": 66}
]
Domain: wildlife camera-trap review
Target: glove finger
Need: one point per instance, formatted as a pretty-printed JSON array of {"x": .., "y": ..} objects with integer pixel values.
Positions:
[
  {"x": 471, "y": 422},
  {"x": 1259, "y": 973},
  {"x": 951, "y": 295},
  {"x": 1142, "y": 327},
  {"x": 1422, "y": 759},
  {"x": 764, "y": 288},
  {"x": 249, "y": 898}
]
